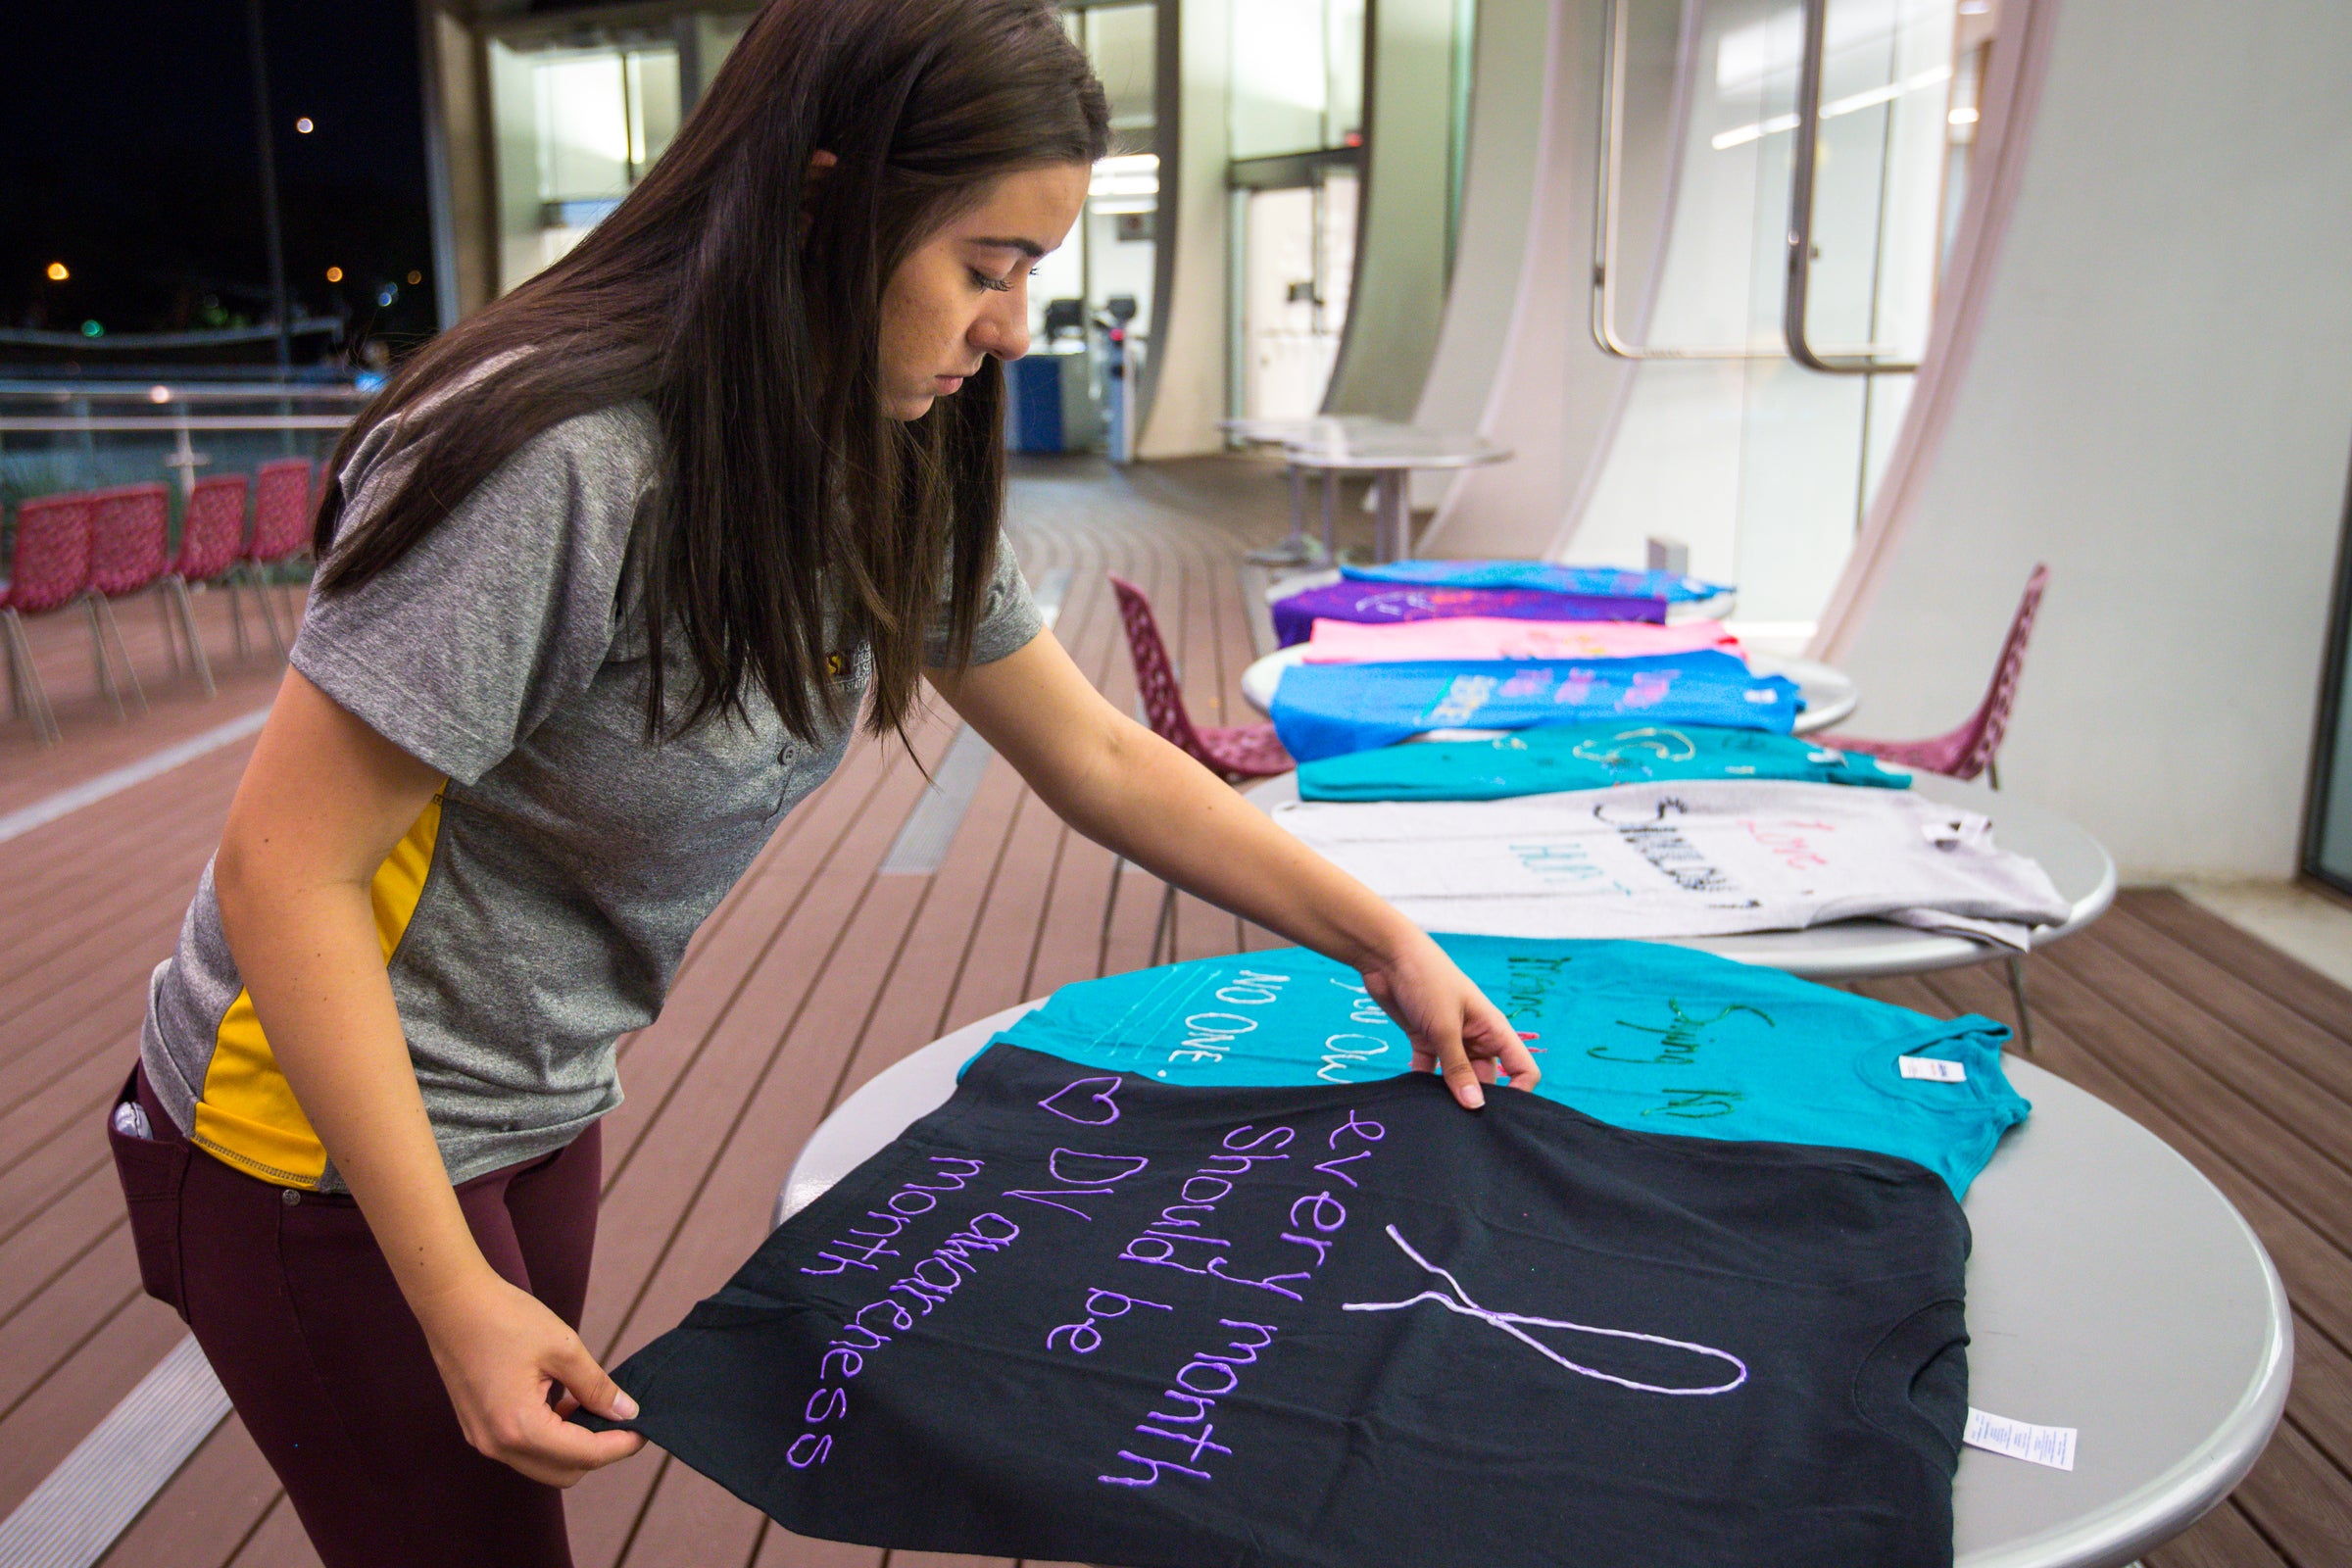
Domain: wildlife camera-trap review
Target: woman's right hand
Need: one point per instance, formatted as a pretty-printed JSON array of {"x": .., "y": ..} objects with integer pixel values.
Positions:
[{"x": 514, "y": 1371}]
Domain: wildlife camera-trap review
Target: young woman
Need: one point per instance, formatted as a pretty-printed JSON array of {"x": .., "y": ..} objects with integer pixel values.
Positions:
[{"x": 608, "y": 573}]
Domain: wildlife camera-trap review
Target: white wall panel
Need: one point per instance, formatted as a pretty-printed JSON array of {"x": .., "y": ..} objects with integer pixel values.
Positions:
[
  {"x": 2157, "y": 400},
  {"x": 1522, "y": 308}
]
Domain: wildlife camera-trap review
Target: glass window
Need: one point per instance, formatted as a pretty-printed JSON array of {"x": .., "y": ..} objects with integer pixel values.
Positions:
[
  {"x": 1764, "y": 467},
  {"x": 1297, "y": 83},
  {"x": 1111, "y": 251},
  {"x": 1281, "y": 79},
  {"x": 576, "y": 129}
]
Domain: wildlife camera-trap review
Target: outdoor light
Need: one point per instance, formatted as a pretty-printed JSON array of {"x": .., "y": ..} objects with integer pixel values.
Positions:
[
  {"x": 388, "y": 295},
  {"x": 159, "y": 394},
  {"x": 334, "y": 274},
  {"x": 58, "y": 273},
  {"x": 416, "y": 279},
  {"x": 92, "y": 329},
  {"x": 303, "y": 125}
]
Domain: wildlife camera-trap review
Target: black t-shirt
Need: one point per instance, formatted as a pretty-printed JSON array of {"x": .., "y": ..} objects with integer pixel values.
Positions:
[{"x": 1084, "y": 1316}]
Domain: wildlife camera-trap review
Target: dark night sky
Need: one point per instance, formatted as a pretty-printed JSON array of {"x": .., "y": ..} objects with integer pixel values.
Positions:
[{"x": 130, "y": 137}]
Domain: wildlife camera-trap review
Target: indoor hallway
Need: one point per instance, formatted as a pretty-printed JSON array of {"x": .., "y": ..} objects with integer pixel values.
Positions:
[{"x": 844, "y": 949}]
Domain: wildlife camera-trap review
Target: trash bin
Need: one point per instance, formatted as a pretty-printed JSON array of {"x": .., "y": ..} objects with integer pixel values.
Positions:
[{"x": 1049, "y": 403}]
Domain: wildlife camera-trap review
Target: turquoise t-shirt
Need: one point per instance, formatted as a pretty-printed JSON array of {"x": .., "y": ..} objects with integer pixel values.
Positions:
[
  {"x": 1636, "y": 1033},
  {"x": 1579, "y": 756}
]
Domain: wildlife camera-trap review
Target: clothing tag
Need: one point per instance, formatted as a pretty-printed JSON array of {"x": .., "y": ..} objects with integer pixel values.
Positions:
[
  {"x": 2021, "y": 1440},
  {"x": 1932, "y": 1067}
]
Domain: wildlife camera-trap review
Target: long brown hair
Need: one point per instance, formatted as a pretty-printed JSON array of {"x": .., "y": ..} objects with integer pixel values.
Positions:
[{"x": 742, "y": 301}]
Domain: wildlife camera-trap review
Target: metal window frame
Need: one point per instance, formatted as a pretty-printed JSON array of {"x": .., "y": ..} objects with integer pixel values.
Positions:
[
  {"x": 1607, "y": 198},
  {"x": 1805, "y": 156}
]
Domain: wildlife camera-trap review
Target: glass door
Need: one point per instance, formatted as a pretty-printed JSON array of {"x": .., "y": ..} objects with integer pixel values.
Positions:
[
  {"x": 1297, "y": 261},
  {"x": 1761, "y": 465}
]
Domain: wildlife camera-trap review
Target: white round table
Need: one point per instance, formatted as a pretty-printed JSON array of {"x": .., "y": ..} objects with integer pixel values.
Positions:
[
  {"x": 2111, "y": 1289},
  {"x": 1297, "y": 549},
  {"x": 1831, "y": 695},
  {"x": 1389, "y": 453},
  {"x": 1858, "y": 950}
]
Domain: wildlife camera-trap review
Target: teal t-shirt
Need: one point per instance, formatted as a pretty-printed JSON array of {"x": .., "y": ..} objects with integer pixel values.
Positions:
[
  {"x": 1579, "y": 756},
  {"x": 1636, "y": 1033}
]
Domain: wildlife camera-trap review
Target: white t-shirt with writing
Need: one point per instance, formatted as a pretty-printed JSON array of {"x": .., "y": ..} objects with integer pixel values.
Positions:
[{"x": 1696, "y": 857}]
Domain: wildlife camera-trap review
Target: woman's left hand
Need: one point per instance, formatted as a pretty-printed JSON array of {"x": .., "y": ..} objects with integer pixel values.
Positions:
[{"x": 1451, "y": 1025}]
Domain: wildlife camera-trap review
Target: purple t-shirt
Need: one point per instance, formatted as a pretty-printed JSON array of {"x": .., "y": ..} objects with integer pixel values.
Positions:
[{"x": 1295, "y": 616}]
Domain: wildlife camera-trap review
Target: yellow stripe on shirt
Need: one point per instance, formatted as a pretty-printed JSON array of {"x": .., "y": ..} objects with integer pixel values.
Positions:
[{"x": 247, "y": 1114}]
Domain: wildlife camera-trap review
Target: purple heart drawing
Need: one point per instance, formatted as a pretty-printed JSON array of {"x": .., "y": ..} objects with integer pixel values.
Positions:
[{"x": 1094, "y": 1095}]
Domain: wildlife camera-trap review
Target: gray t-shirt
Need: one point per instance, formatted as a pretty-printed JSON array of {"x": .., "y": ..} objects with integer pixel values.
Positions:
[{"x": 538, "y": 909}]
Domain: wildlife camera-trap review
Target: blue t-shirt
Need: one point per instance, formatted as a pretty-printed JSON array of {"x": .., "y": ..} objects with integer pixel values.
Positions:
[
  {"x": 1328, "y": 709},
  {"x": 1581, "y": 757},
  {"x": 1549, "y": 577},
  {"x": 1636, "y": 1033}
]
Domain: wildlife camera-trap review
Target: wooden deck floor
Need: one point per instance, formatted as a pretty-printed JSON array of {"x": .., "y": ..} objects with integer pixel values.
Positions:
[{"x": 819, "y": 971}]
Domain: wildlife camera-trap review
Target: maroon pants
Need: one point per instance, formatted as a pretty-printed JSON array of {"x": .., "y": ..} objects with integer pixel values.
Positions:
[{"x": 297, "y": 1311}]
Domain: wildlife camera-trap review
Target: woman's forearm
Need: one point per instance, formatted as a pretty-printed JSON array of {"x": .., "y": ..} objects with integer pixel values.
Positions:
[
  {"x": 1124, "y": 787},
  {"x": 1149, "y": 802},
  {"x": 311, "y": 959}
]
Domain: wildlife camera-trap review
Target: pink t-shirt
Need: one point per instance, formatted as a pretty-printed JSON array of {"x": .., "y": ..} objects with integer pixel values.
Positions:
[{"x": 1348, "y": 642}]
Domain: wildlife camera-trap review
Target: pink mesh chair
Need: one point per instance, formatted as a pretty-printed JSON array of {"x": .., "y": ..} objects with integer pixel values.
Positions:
[
  {"x": 130, "y": 552},
  {"x": 1232, "y": 751},
  {"x": 281, "y": 532},
  {"x": 1974, "y": 747},
  {"x": 49, "y": 569},
  {"x": 212, "y": 541}
]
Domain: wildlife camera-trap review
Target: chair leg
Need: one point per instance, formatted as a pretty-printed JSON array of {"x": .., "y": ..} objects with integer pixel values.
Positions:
[
  {"x": 19, "y": 699},
  {"x": 102, "y": 673},
  {"x": 187, "y": 627},
  {"x": 27, "y": 678},
  {"x": 163, "y": 616},
  {"x": 114, "y": 629},
  {"x": 1165, "y": 923},
  {"x": 260, "y": 596},
  {"x": 1110, "y": 904},
  {"x": 2024, "y": 1016}
]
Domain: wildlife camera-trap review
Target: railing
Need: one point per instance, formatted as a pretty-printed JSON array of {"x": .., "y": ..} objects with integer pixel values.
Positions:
[{"x": 79, "y": 436}]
